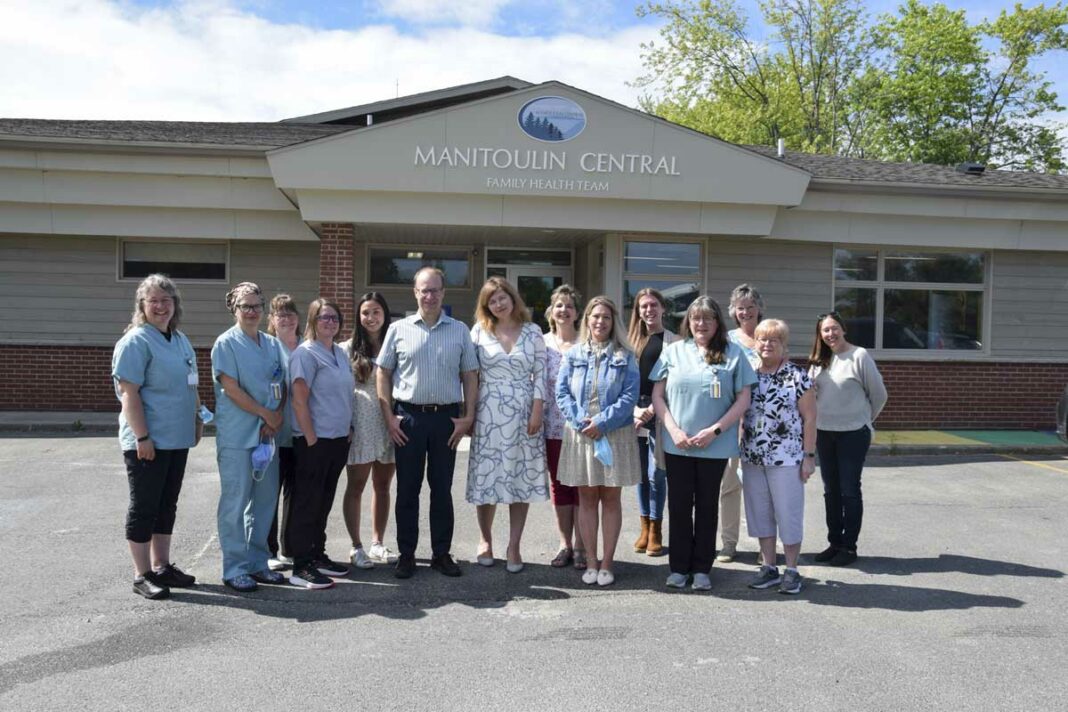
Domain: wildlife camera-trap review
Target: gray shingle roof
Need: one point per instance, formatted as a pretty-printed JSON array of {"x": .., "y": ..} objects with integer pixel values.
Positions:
[
  {"x": 252, "y": 134},
  {"x": 857, "y": 169}
]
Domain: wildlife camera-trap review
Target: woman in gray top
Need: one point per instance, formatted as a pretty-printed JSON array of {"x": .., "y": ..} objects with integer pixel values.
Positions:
[{"x": 849, "y": 397}]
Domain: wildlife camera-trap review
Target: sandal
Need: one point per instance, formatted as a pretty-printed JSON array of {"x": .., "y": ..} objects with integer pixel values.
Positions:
[
  {"x": 562, "y": 558},
  {"x": 579, "y": 559}
]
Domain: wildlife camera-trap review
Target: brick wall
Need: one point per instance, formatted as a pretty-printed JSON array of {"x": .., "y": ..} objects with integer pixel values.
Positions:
[{"x": 336, "y": 270}]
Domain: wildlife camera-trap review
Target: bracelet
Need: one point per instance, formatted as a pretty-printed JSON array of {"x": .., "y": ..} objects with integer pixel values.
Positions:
[
  {"x": 143, "y": 438},
  {"x": 810, "y": 454}
]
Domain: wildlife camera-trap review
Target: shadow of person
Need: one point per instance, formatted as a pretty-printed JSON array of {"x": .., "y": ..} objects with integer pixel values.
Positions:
[
  {"x": 946, "y": 563},
  {"x": 899, "y": 598}
]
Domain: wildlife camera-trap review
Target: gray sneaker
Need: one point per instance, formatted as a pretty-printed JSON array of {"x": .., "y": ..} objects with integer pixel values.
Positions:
[
  {"x": 702, "y": 582},
  {"x": 767, "y": 577},
  {"x": 791, "y": 582},
  {"x": 676, "y": 581}
]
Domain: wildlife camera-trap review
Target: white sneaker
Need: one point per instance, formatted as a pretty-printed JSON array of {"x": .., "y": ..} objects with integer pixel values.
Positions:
[
  {"x": 360, "y": 559},
  {"x": 279, "y": 563},
  {"x": 380, "y": 552}
]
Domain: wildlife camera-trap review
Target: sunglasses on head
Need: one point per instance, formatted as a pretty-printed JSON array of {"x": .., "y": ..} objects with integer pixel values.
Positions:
[{"x": 833, "y": 314}]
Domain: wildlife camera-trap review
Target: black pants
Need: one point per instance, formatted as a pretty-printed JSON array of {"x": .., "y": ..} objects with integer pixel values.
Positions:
[
  {"x": 287, "y": 471},
  {"x": 841, "y": 462},
  {"x": 312, "y": 496},
  {"x": 693, "y": 508},
  {"x": 154, "y": 489},
  {"x": 427, "y": 450}
]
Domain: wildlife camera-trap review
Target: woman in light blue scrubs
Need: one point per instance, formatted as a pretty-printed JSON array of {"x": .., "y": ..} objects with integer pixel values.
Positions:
[
  {"x": 155, "y": 373},
  {"x": 249, "y": 381},
  {"x": 701, "y": 392}
]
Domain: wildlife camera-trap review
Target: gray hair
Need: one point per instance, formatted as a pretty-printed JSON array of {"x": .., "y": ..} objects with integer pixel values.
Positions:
[
  {"x": 163, "y": 283},
  {"x": 745, "y": 291}
]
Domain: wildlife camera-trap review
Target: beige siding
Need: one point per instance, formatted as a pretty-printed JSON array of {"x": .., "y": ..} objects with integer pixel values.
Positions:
[
  {"x": 793, "y": 278},
  {"x": 1029, "y": 310},
  {"x": 71, "y": 283}
]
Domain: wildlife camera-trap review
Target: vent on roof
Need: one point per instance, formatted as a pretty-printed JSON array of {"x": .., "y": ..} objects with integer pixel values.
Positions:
[{"x": 971, "y": 169}]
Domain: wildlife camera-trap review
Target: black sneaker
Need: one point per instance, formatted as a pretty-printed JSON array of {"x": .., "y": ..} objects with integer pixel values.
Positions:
[
  {"x": 826, "y": 555},
  {"x": 445, "y": 565},
  {"x": 173, "y": 577},
  {"x": 144, "y": 586},
  {"x": 331, "y": 568},
  {"x": 844, "y": 557},
  {"x": 405, "y": 566},
  {"x": 307, "y": 576}
]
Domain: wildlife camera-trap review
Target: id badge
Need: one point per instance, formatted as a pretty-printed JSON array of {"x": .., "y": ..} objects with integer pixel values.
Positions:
[
  {"x": 714, "y": 389},
  {"x": 276, "y": 391},
  {"x": 193, "y": 379},
  {"x": 758, "y": 424}
]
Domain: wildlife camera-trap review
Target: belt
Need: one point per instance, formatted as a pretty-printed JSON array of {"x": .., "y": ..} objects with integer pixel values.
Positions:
[{"x": 427, "y": 408}]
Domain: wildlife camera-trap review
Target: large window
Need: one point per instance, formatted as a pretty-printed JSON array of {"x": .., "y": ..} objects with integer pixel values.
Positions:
[
  {"x": 673, "y": 268},
  {"x": 893, "y": 298},
  {"x": 396, "y": 266},
  {"x": 178, "y": 260}
]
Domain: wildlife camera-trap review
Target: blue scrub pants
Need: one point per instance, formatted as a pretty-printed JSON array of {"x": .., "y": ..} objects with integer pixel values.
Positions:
[
  {"x": 652, "y": 490},
  {"x": 246, "y": 509}
]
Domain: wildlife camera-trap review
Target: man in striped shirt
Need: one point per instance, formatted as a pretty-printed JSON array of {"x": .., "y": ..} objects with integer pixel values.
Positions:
[{"x": 427, "y": 388}]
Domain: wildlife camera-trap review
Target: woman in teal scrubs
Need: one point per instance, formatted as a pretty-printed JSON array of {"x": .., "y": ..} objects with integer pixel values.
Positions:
[
  {"x": 701, "y": 392},
  {"x": 155, "y": 373},
  {"x": 249, "y": 381}
]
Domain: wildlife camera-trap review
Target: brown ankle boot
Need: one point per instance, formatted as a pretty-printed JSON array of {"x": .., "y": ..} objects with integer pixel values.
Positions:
[
  {"x": 655, "y": 547},
  {"x": 643, "y": 537}
]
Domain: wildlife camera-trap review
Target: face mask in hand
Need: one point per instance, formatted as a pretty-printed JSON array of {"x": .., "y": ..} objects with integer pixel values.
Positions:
[
  {"x": 602, "y": 450},
  {"x": 261, "y": 458}
]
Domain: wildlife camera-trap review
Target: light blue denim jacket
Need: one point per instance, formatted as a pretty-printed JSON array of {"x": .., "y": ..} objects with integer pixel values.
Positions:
[{"x": 617, "y": 388}]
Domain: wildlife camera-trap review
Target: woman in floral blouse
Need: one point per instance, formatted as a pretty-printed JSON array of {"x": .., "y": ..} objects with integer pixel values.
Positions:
[{"x": 778, "y": 455}]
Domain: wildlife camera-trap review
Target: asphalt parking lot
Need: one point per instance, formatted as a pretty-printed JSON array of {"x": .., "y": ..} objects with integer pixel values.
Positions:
[{"x": 958, "y": 601}]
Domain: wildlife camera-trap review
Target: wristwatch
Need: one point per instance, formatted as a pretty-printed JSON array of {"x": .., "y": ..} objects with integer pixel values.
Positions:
[
  {"x": 143, "y": 438},
  {"x": 717, "y": 430},
  {"x": 810, "y": 454}
]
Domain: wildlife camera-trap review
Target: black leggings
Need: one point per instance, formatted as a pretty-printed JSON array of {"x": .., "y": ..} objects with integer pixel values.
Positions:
[
  {"x": 154, "y": 489},
  {"x": 287, "y": 471},
  {"x": 693, "y": 508}
]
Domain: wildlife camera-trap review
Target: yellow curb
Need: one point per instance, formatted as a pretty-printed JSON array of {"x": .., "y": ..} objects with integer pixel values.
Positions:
[
  {"x": 1036, "y": 464},
  {"x": 921, "y": 437}
]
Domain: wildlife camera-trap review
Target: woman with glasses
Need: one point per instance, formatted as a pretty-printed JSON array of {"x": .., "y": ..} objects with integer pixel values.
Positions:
[
  {"x": 282, "y": 324},
  {"x": 849, "y": 397},
  {"x": 701, "y": 392},
  {"x": 154, "y": 370},
  {"x": 250, "y": 395},
  {"x": 322, "y": 387},
  {"x": 778, "y": 455}
]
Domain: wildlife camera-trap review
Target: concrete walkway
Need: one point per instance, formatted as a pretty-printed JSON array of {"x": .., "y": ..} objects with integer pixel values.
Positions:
[{"x": 887, "y": 442}]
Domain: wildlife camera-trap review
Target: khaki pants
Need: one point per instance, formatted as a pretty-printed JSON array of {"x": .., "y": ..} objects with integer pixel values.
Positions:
[{"x": 730, "y": 505}]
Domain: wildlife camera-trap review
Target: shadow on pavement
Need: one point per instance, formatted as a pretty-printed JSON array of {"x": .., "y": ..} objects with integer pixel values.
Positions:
[
  {"x": 905, "y": 460},
  {"x": 950, "y": 562}
]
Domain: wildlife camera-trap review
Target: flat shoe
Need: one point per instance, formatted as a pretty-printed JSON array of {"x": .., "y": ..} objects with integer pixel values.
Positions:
[
  {"x": 485, "y": 560},
  {"x": 605, "y": 578},
  {"x": 513, "y": 568},
  {"x": 590, "y": 577}
]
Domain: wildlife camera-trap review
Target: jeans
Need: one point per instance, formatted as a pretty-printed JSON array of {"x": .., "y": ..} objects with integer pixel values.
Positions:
[
  {"x": 652, "y": 490},
  {"x": 841, "y": 462},
  {"x": 154, "y": 489},
  {"x": 427, "y": 450},
  {"x": 692, "y": 501},
  {"x": 246, "y": 508}
]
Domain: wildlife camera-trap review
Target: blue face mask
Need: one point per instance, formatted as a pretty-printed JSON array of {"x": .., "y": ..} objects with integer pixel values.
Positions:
[
  {"x": 602, "y": 450},
  {"x": 262, "y": 456}
]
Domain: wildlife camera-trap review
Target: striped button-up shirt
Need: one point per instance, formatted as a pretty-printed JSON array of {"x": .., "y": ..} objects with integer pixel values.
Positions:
[{"x": 427, "y": 361}]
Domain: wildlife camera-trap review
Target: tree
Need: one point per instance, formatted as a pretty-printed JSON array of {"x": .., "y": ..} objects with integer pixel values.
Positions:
[{"x": 719, "y": 79}]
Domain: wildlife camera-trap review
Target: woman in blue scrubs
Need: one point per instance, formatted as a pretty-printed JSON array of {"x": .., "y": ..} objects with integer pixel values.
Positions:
[
  {"x": 249, "y": 381},
  {"x": 155, "y": 373}
]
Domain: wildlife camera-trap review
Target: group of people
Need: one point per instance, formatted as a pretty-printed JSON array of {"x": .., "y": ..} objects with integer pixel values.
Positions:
[{"x": 575, "y": 415}]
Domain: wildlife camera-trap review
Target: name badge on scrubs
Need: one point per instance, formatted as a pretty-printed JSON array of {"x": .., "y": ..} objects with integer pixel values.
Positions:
[
  {"x": 193, "y": 379},
  {"x": 714, "y": 389},
  {"x": 276, "y": 391}
]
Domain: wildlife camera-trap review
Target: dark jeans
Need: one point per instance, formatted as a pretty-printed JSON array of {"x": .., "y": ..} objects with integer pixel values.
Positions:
[
  {"x": 154, "y": 489},
  {"x": 287, "y": 471},
  {"x": 312, "y": 496},
  {"x": 841, "y": 462},
  {"x": 427, "y": 450},
  {"x": 693, "y": 505}
]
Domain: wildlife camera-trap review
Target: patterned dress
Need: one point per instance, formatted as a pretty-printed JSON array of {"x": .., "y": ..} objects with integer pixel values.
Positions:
[
  {"x": 370, "y": 439},
  {"x": 505, "y": 465}
]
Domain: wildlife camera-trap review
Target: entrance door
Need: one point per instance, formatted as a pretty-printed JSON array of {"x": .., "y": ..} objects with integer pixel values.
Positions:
[{"x": 535, "y": 285}]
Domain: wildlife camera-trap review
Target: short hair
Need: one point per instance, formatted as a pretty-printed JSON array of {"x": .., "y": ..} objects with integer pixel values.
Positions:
[
  {"x": 564, "y": 290},
  {"x": 485, "y": 317},
  {"x": 316, "y": 306},
  {"x": 281, "y": 303},
  {"x": 239, "y": 291},
  {"x": 429, "y": 268},
  {"x": 638, "y": 333},
  {"x": 718, "y": 345},
  {"x": 745, "y": 291},
  {"x": 163, "y": 283},
  {"x": 774, "y": 328},
  {"x": 617, "y": 328}
]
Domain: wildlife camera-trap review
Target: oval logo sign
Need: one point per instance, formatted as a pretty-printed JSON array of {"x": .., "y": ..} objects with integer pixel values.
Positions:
[{"x": 552, "y": 118}]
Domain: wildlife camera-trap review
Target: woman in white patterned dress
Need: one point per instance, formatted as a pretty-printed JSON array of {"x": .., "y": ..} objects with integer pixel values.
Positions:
[
  {"x": 507, "y": 459},
  {"x": 371, "y": 451}
]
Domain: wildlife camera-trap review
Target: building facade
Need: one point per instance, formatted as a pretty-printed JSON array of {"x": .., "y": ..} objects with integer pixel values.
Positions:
[{"x": 957, "y": 281}]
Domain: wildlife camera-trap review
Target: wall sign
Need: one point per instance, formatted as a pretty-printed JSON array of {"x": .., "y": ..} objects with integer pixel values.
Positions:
[{"x": 552, "y": 118}]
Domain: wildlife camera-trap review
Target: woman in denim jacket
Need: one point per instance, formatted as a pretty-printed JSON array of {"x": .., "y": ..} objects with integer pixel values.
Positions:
[{"x": 596, "y": 391}]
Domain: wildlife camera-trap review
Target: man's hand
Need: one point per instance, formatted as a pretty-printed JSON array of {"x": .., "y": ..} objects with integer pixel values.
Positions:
[
  {"x": 460, "y": 428},
  {"x": 146, "y": 450},
  {"x": 396, "y": 433}
]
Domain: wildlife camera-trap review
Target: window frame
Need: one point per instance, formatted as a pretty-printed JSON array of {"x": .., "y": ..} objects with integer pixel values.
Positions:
[
  {"x": 120, "y": 243},
  {"x": 469, "y": 249},
  {"x": 698, "y": 275},
  {"x": 881, "y": 284}
]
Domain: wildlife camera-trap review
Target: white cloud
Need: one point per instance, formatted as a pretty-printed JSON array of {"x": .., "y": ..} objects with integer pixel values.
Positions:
[
  {"x": 200, "y": 61},
  {"x": 463, "y": 12}
]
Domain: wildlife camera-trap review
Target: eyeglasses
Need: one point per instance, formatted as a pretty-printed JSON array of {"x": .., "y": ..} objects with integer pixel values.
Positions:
[
  {"x": 285, "y": 315},
  {"x": 165, "y": 302},
  {"x": 833, "y": 314},
  {"x": 428, "y": 292},
  {"x": 328, "y": 317},
  {"x": 703, "y": 318},
  {"x": 769, "y": 340},
  {"x": 250, "y": 308}
]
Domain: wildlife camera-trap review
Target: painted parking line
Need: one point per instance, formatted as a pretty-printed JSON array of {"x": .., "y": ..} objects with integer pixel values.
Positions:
[{"x": 1037, "y": 464}]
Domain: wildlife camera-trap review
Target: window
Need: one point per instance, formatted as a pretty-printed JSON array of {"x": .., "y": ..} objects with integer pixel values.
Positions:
[
  {"x": 911, "y": 299},
  {"x": 672, "y": 268},
  {"x": 396, "y": 266},
  {"x": 178, "y": 260}
]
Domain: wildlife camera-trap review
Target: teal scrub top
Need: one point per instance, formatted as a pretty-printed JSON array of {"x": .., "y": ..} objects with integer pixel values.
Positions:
[
  {"x": 691, "y": 396},
  {"x": 166, "y": 372},
  {"x": 257, "y": 368}
]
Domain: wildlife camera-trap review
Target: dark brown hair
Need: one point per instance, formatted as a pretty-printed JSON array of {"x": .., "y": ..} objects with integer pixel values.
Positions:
[
  {"x": 364, "y": 348},
  {"x": 717, "y": 347},
  {"x": 821, "y": 353}
]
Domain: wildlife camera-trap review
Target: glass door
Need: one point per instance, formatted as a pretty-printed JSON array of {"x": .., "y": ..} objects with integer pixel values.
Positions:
[{"x": 535, "y": 285}]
